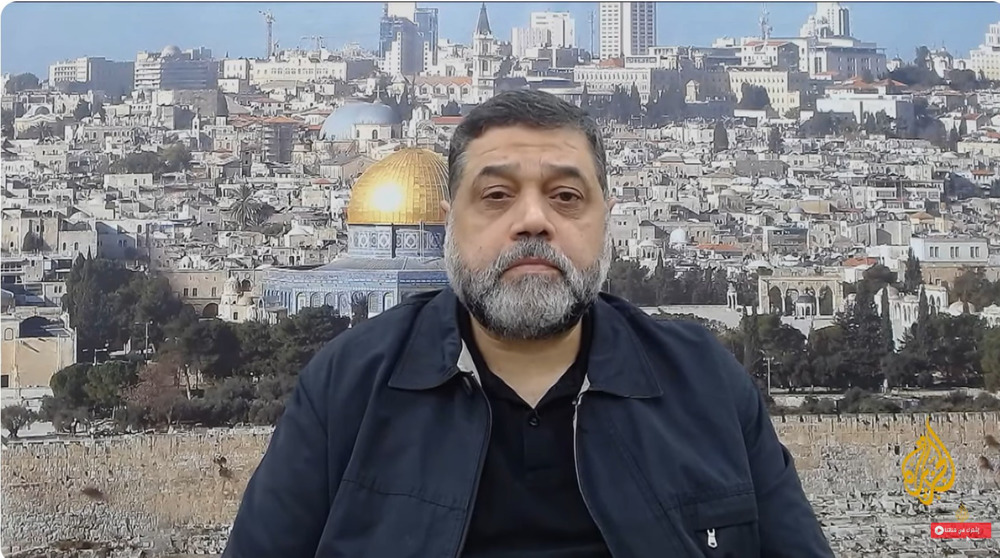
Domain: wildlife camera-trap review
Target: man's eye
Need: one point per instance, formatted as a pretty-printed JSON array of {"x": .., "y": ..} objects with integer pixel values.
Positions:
[
  {"x": 567, "y": 196},
  {"x": 495, "y": 195}
]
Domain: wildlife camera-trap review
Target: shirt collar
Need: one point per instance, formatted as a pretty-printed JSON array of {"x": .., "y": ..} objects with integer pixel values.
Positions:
[{"x": 617, "y": 363}]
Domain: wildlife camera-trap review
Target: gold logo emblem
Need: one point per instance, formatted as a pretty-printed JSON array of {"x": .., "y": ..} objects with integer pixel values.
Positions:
[
  {"x": 962, "y": 514},
  {"x": 928, "y": 470}
]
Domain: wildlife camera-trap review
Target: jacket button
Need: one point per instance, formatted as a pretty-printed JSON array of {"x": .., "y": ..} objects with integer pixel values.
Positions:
[{"x": 533, "y": 420}]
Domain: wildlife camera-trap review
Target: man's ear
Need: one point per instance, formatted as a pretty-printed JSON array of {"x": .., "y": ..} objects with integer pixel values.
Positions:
[
  {"x": 446, "y": 206},
  {"x": 611, "y": 202}
]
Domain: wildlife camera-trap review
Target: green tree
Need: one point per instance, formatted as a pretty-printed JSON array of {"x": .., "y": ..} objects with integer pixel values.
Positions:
[
  {"x": 7, "y": 123},
  {"x": 887, "y": 335},
  {"x": 299, "y": 337},
  {"x": 257, "y": 349},
  {"x": 963, "y": 80},
  {"x": 913, "y": 277},
  {"x": 142, "y": 162},
  {"x": 207, "y": 346},
  {"x": 877, "y": 277},
  {"x": 720, "y": 138},
  {"x": 954, "y": 348},
  {"x": 827, "y": 361},
  {"x": 94, "y": 307},
  {"x": 32, "y": 242},
  {"x": 16, "y": 418},
  {"x": 359, "y": 308},
  {"x": 953, "y": 139},
  {"x": 774, "y": 141},
  {"x": 990, "y": 358},
  {"x": 626, "y": 279},
  {"x": 81, "y": 111},
  {"x": 451, "y": 109},
  {"x": 22, "y": 82},
  {"x": 174, "y": 158},
  {"x": 753, "y": 97},
  {"x": 245, "y": 209},
  {"x": 158, "y": 393},
  {"x": 973, "y": 287},
  {"x": 864, "y": 339}
]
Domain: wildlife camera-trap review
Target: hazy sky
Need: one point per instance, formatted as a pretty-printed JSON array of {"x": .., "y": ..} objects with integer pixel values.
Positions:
[{"x": 35, "y": 34}]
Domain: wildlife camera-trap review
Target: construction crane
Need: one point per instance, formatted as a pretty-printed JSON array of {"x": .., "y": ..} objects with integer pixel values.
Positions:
[
  {"x": 319, "y": 39},
  {"x": 269, "y": 20}
]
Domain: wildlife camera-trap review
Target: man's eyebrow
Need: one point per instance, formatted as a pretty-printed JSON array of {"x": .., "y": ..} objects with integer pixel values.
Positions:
[
  {"x": 508, "y": 170},
  {"x": 564, "y": 171},
  {"x": 503, "y": 170}
]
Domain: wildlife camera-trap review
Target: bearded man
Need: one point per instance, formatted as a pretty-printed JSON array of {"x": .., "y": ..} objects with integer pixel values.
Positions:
[{"x": 522, "y": 412}]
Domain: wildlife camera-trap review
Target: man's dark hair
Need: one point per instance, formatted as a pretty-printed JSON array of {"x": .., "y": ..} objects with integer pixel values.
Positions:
[{"x": 534, "y": 109}]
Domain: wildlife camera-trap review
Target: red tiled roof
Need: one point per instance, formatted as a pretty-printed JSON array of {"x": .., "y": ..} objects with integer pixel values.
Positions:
[
  {"x": 447, "y": 120},
  {"x": 855, "y": 262},
  {"x": 282, "y": 120},
  {"x": 443, "y": 80}
]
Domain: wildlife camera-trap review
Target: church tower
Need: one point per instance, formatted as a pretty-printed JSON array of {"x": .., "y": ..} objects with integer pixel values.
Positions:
[{"x": 485, "y": 61}]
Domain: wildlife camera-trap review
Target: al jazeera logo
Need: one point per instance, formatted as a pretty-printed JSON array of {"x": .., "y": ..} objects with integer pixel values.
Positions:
[{"x": 928, "y": 471}]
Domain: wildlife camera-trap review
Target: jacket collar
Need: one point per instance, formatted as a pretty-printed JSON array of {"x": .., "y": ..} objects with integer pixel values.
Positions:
[{"x": 435, "y": 352}]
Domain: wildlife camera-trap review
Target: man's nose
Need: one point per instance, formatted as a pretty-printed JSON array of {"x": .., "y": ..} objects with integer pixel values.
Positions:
[{"x": 533, "y": 216}]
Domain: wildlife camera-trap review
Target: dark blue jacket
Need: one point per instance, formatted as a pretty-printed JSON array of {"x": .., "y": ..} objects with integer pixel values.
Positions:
[{"x": 381, "y": 445}]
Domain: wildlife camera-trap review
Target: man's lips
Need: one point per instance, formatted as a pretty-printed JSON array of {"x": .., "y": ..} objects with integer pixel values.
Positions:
[{"x": 532, "y": 262}]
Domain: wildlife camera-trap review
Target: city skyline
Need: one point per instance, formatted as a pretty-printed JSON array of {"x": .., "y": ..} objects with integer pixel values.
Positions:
[{"x": 957, "y": 26}]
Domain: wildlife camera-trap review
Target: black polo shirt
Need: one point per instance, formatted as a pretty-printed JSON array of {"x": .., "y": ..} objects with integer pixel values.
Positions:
[{"x": 529, "y": 502}]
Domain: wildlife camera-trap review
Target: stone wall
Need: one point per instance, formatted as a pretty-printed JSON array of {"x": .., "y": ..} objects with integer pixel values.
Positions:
[{"x": 169, "y": 492}]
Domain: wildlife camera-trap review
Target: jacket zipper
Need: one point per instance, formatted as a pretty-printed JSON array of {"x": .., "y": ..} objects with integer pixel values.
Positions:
[
  {"x": 576, "y": 455},
  {"x": 468, "y": 379},
  {"x": 712, "y": 542}
]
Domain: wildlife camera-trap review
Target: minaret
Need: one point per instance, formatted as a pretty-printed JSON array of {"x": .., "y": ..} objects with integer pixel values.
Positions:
[{"x": 485, "y": 63}]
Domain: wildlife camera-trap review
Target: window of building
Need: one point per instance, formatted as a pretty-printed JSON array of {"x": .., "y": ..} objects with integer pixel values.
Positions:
[
  {"x": 4, "y": 381},
  {"x": 194, "y": 291},
  {"x": 8, "y": 334},
  {"x": 214, "y": 291},
  {"x": 236, "y": 316},
  {"x": 185, "y": 291}
]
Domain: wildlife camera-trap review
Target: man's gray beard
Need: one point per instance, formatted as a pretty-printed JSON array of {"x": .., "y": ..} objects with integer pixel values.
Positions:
[{"x": 528, "y": 307}]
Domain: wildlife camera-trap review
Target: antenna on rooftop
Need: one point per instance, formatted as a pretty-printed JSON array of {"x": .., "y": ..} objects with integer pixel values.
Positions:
[
  {"x": 269, "y": 20},
  {"x": 765, "y": 25}
]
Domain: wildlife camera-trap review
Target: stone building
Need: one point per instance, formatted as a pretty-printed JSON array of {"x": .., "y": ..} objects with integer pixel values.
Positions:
[{"x": 36, "y": 344}]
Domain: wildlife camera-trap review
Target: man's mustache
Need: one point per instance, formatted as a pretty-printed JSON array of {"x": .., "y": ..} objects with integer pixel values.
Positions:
[{"x": 531, "y": 248}]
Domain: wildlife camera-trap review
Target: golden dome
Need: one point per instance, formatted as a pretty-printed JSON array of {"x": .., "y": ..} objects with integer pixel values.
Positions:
[{"x": 405, "y": 188}]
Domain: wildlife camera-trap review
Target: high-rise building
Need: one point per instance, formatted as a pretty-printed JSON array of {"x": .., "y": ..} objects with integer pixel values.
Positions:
[
  {"x": 524, "y": 38},
  {"x": 400, "y": 9},
  {"x": 173, "y": 69},
  {"x": 427, "y": 28},
  {"x": 830, "y": 20},
  {"x": 98, "y": 73},
  {"x": 985, "y": 60},
  {"x": 627, "y": 28},
  {"x": 405, "y": 52},
  {"x": 560, "y": 25},
  {"x": 409, "y": 35}
]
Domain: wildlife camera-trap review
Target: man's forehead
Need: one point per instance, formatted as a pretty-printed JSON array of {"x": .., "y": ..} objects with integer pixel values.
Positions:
[{"x": 510, "y": 140}]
